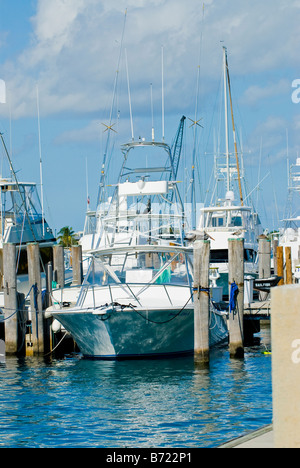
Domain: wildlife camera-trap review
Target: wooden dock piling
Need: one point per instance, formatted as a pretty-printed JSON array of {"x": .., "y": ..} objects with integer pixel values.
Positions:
[
  {"x": 288, "y": 266},
  {"x": 77, "y": 265},
  {"x": 236, "y": 316},
  {"x": 201, "y": 301},
  {"x": 286, "y": 365},
  {"x": 274, "y": 249},
  {"x": 280, "y": 264},
  {"x": 264, "y": 255},
  {"x": 59, "y": 265},
  {"x": 49, "y": 279},
  {"x": 37, "y": 324},
  {"x": 10, "y": 299}
]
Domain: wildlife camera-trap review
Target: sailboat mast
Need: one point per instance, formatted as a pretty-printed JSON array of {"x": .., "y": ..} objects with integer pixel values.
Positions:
[
  {"x": 234, "y": 133},
  {"x": 226, "y": 119}
]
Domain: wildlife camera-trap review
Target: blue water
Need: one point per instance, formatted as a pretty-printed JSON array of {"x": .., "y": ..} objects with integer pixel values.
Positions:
[{"x": 134, "y": 404}]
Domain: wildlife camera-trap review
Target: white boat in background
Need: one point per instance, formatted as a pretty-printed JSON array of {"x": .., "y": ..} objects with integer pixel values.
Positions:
[
  {"x": 226, "y": 221},
  {"x": 137, "y": 297},
  {"x": 21, "y": 222},
  {"x": 289, "y": 235}
]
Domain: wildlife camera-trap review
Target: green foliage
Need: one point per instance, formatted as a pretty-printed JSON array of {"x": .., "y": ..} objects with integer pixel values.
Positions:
[{"x": 66, "y": 237}]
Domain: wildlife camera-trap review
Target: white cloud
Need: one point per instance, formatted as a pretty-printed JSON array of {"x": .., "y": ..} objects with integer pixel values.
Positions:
[
  {"x": 89, "y": 133},
  {"x": 270, "y": 135},
  {"x": 75, "y": 47},
  {"x": 256, "y": 94},
  {"x": 54, "y": 19}
]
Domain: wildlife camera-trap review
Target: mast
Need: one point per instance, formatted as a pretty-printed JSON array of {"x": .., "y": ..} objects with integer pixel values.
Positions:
[
  {"x": 226, "y": 119},
  {"x": 234, "y": 132}
]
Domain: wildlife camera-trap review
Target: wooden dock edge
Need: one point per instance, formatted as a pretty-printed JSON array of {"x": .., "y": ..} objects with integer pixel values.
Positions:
[{"x": 262, "y": 438}]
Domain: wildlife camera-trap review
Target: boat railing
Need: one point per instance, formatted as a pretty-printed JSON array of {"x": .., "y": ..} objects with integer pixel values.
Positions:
[
  {"x": 97, "y": 296},
  {"x": 129, "y": 215},
  {"x": 170, "y": 269}
]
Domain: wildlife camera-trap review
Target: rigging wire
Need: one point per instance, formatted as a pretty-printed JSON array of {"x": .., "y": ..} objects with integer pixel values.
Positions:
[
  {"x": 196, "y": 124},
  {"x": 109, "y": 127}
]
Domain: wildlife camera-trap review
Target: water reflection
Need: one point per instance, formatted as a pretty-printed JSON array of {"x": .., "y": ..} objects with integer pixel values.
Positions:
[{"x": 159, "y": 403}]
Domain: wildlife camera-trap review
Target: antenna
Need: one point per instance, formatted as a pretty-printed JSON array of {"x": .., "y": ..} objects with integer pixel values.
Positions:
[
  {"x": 109, "y": 127},
  {"x": 163, "y": 93},
  {"x": 87, "y": 184},
  {"x": 259, "y": 171},
  {"x": 129, "y": 96},
  {"x": 40, "y": 152},
  {"x": 152, "y": 114}
]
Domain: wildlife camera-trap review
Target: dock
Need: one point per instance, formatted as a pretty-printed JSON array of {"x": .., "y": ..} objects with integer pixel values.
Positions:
[
  {"x": 262, "y": 438},
  {"x": 285, "y": 430},
  {"x": 258, "y": 309}
]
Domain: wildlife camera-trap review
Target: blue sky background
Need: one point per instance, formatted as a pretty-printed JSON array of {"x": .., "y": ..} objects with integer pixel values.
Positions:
[{"x": 70, "y": 48}]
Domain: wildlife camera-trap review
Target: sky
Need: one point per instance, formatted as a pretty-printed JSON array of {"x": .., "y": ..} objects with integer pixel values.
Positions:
[{"x": 60, "y": 59}]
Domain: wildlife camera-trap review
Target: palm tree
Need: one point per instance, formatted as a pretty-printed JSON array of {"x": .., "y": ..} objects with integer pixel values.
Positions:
[{"x": 66, "y": 237}]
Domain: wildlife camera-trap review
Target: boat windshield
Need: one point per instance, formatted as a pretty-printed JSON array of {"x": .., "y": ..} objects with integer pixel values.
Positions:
[
  {"x": 234, "y": 218},
  {"x": 17, "y": 199},
  {"x": 141, "y": 268}
]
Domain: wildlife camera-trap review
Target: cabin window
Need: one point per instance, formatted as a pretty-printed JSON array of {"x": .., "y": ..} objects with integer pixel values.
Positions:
[
  {"x": 237, "y": 221},
  {"x": 218, "y": 222},
  {"x": 219, "y": 256},
  {"x": 250, "y": 255}
]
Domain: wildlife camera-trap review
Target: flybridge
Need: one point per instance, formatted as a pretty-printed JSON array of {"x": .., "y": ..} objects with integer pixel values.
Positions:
[
  {"x": 143, "y": 188},
  {"x": 143, "y": 142}
]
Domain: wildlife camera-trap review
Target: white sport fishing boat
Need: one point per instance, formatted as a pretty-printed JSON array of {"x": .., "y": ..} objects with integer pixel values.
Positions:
[{"x": 137, "y": 297}]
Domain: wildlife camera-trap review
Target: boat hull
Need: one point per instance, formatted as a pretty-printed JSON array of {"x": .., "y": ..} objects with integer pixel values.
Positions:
[{"x": 131, "y": 334}]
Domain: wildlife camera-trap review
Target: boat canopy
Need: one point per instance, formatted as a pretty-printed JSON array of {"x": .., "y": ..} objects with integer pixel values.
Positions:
[
  {"x": 138, "y": 265},
  {"x": 141, "y": 248},
  {"x": 226, "y": 217},
  {"x": 21, "y": 217}
]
